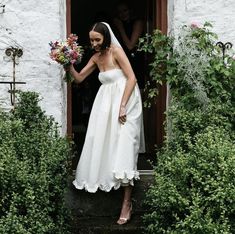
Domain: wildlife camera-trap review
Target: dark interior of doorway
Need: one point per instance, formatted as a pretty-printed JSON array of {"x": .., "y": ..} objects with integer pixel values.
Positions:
[{"x": 83, "y": 15}]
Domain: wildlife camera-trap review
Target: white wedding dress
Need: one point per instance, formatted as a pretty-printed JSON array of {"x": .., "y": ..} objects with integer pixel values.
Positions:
[{"x": 110, "y": 152}]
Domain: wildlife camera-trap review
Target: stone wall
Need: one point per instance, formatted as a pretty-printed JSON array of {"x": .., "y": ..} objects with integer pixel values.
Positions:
[
  {"x": 220, "y": 13},
  {"x": 30, "y": 25}
]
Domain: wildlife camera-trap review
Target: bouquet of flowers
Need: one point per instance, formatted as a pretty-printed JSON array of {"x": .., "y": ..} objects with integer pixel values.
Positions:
[{"x": 66, "y": 53}]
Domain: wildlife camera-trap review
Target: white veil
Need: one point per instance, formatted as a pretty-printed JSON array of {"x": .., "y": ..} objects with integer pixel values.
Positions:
[{"x": 114, "y": 40}]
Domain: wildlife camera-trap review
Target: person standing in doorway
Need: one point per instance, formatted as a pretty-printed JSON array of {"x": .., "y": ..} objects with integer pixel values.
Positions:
[
  {"x": 129, "y": 29},
  {"x": 115, "y": 131}
]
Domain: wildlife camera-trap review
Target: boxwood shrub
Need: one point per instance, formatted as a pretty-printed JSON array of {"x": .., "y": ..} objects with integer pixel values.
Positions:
[
  {"x": 34, "y": 164},
  {"x": 194, "y": 189}
]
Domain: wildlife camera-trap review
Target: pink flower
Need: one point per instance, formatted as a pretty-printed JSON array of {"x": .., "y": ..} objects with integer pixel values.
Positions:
[
  {"x": 67, "y": 52},
  {"x": 72, "y": 39},
  {"x": 194, "y": 25},
  {"x": 233, "y": 57}
]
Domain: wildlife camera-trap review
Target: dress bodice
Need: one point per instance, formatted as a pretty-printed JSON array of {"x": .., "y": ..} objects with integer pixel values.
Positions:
[{"x": 111, "y": 76}]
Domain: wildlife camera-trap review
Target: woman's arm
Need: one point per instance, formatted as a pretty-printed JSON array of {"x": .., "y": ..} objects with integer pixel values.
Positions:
[
  {"x": 138, "y": 28},
  {"x": 122, "y": 60},
  {"x": 86, "y": 71}
]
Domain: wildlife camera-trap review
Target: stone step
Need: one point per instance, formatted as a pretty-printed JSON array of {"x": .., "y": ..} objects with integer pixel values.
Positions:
[
  {"x": 103, "y": 204},
  {"x": 97, "y": 213},
  {"x": 107, "y": 225}
]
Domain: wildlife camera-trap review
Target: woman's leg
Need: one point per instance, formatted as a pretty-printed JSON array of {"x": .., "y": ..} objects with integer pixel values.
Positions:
[{"x": 126, "y": 205}]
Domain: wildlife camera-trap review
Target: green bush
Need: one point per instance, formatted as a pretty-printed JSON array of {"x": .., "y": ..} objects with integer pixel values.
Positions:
[
  {"x": 34, "y": 163},
  {"x": 194, "y": 189}
]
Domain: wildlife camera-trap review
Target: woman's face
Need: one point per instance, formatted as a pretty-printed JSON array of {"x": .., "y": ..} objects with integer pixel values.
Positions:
[
  {"x": 123, "y": 12},
  {"x": 96, "y": 40}
]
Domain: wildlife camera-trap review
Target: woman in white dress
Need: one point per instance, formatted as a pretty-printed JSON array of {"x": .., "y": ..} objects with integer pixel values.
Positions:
[{"x": 115, "y": 131}]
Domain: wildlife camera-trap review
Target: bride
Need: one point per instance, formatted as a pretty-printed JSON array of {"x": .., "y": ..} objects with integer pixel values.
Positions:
[{"x": 115, "y": 131}]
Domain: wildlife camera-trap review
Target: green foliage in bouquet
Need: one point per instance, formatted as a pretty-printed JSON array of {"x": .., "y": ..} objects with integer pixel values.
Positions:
[
  {"x": 34, "y": 163},
  {"x": 194, "y": 189}
]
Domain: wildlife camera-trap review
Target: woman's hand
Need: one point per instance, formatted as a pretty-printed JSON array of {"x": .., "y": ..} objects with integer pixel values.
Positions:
[
  {"x": 122, "y": 114},
  {"x": 68, "y": 76}
]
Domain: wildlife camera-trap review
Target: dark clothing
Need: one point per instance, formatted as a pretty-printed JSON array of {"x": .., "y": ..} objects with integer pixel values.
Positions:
[{"x": 135, "y": 57}]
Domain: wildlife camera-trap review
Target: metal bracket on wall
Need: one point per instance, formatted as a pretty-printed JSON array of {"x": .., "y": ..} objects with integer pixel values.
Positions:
[
  {"x": 224, "y": 46},
  {"x": 2, "y": 7},
  {"x": 12, "y": 91},
  {"x": 13, "y": 52}
]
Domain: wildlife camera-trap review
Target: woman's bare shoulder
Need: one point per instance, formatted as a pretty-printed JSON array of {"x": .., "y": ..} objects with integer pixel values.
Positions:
[
  {"x": 117, "y": 50},
  {"x": 94, "y": 57}
]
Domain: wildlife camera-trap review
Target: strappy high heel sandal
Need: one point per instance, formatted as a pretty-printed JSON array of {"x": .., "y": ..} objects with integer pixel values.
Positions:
[{"x": 124, "y": 220}]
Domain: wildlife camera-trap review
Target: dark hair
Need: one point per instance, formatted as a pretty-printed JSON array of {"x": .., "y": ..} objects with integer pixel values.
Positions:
[
  {"x": 124, "y": 3},
  {"x": 102, "y": 29}
]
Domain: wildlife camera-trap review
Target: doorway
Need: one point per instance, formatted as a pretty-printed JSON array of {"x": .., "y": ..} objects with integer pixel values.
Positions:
[{"x": 82, "y": 14}]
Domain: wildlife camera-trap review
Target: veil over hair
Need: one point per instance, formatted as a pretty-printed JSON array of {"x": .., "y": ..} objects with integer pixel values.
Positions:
[{"x": 114, "y": 40}]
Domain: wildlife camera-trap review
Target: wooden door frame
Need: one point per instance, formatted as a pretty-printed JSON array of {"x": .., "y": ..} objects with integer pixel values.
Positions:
[
  {"x": 161, "y": 15},
  {"x": 69, "y": 86},
  {"x": 161, "y": 23}
]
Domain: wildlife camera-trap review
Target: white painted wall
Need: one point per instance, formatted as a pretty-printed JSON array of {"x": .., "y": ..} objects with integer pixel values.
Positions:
[
  {"x": 32, "y": 25},
  {"x": 218, "y": 12}
]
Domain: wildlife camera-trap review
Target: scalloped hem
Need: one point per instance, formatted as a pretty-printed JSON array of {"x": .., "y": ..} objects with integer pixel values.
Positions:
[{"x": 123, "y": 179}]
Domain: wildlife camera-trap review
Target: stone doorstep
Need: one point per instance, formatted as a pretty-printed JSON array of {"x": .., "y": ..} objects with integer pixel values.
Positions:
[
  {"x": 107, "y": 225},
  {"x": 103, "y": 204}
]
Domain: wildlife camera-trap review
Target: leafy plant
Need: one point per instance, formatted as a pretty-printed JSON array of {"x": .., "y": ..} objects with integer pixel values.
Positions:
[
  {"x": 194, "y": 186},
  {"x": 34, "y": 164},
  {"x": 191, "y": 64}
]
